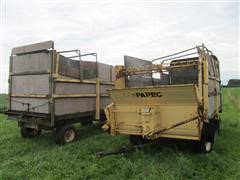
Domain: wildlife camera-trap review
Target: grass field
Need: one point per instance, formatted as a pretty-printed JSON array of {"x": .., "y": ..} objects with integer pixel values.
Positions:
[
  {"x": 3, "y": 102},
  {"x": 40, "y": 158}
]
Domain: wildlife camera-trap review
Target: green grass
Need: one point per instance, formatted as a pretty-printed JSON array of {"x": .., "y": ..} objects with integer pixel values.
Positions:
[
  {"x": 40, "y": 158},
  {"x": 3, "y": 102}
]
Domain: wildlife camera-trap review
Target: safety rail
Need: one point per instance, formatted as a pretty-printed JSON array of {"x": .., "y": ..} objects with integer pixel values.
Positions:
[{"x": 184, "y": 53}]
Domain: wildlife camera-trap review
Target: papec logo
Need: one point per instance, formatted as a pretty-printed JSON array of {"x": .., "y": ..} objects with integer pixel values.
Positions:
[{"x": 148, "y": 94}]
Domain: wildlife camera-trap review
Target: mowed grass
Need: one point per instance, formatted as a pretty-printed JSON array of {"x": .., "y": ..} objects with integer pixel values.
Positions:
[
  {"x": 40, "y": 158},
  {"x": 3, "y": 102}
]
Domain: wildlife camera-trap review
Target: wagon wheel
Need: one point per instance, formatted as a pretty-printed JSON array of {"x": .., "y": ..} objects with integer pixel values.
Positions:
[
  {"x": 207, "y": 146},
  {"x": 65, "y": 134},
  {"x": 29, "y": 132}
]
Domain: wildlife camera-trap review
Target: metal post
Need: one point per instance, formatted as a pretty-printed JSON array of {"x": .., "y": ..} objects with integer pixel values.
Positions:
[
  {"x": 52, "y": 86},
  {"x": 80, "y": 67},
  {"x": 120, "y": 77},
  {"x": 205, "y": 83},
  {"x": 97, "y": 112},
  {"x": 10, "y": 82}
]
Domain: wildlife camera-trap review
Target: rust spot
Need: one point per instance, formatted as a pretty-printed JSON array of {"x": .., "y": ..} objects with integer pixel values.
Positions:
[{"x": 120, "y": 74}]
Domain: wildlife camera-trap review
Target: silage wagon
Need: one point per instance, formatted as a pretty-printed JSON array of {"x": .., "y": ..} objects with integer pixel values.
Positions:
[
  {"x": 175, "y": 96},
  {"x": 51, "y": 89}
]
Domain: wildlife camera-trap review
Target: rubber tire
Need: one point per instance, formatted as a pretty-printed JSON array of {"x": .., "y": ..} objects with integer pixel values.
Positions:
[
  {"x": 201, "y": 146},
  {"x": 137, "y": 140},
  {"x": 206, "y": 146},
  {"x": 29, "y": 132},
  {"x": 59, "y": 135}
]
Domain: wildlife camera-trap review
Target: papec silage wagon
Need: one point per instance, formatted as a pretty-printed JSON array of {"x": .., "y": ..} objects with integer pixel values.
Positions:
[
  {"x": 179, "y": 97},
  {"x": 53, "y": 90}
]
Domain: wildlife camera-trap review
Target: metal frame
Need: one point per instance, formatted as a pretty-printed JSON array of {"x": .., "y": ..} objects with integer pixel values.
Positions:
[
  {"x": 165, "y": 64},
  {"x": 54, "y": 77},
  {"x": 97, "y": 95}
]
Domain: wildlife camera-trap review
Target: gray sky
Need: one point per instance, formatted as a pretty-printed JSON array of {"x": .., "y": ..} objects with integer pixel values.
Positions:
[{"x": 145, "y": 29}]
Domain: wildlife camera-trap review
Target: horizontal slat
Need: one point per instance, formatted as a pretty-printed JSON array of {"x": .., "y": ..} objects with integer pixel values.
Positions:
[
  {"x": 30, "y": 73},
  {"x": 81, "y": 81},
  {"x": 35, "y": 105},
  {"x": 77, "y": 95},
  {"x": 33, "y": 47},
  {"x": 34, "y": 62},
  {"x": 56, "y": 95},
  {"x": 29, "y": 95},
  {"x": 30, "y": 84}
]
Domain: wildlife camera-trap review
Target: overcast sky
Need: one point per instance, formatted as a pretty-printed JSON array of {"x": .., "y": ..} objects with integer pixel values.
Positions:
[{"x": 145, "y": 29}]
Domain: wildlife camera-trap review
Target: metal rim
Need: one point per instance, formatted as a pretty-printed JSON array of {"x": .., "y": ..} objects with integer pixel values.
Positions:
[
  {"x": 69, "y": 135},
  {"x": 208, "y": 146},
  {"x": 33, "y": 132}
]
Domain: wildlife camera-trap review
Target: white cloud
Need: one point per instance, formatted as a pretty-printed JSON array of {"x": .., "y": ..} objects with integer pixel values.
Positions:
[{"x": 146, "y": 30}]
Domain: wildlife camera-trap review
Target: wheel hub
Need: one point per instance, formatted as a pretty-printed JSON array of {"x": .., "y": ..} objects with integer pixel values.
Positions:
[
  {"x": 69, "y": 135},
  {"x": 208, "y": 146}
]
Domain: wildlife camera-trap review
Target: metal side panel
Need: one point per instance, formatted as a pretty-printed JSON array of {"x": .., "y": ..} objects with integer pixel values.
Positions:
[
  {"x": 113, "y": 75},
  {"x": 105, "y": 72},
  {"x": 212, "y": 84},
  {"x": 104, "y": 88},
  {"x": 79, "y": 88},
  {"x": 89, "y": 70},
  {"x": 66, "y": 106},
  {"x": 69, "y": 67},
  {"x": 133, "y": 120},
  {"x": 137, "y": 80},
  {"x": 33, "y": 47},
  {"x": 211, "y": 106},
  {"x": 104, "y": 102},
  {"x": 143, "y": 111},
  {"x": 132, "y": 61},
  {"x": 31, "y": 62},
  {"x": 74, "y": 88},
  {"x": 30, "y": 84},
  {"x": 159, "y": 95},
  {"x": 37, "y": 105},
  {"x": 211, "y": 99},
  {"x": 184, "y": 75}
]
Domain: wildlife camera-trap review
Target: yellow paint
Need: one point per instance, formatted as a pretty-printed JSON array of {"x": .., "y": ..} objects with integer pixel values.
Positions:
[{"x": 147, "y": 110}]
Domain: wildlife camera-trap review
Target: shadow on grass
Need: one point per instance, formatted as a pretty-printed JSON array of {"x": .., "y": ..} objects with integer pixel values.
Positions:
[
  {"x": 83, "y": 132},
  {"x": 170, "y": 146},
  {"x": 160, "y": 146}
]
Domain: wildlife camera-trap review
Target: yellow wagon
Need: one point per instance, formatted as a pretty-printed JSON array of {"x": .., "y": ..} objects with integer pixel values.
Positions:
[{"x": 179, "y": 97}]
